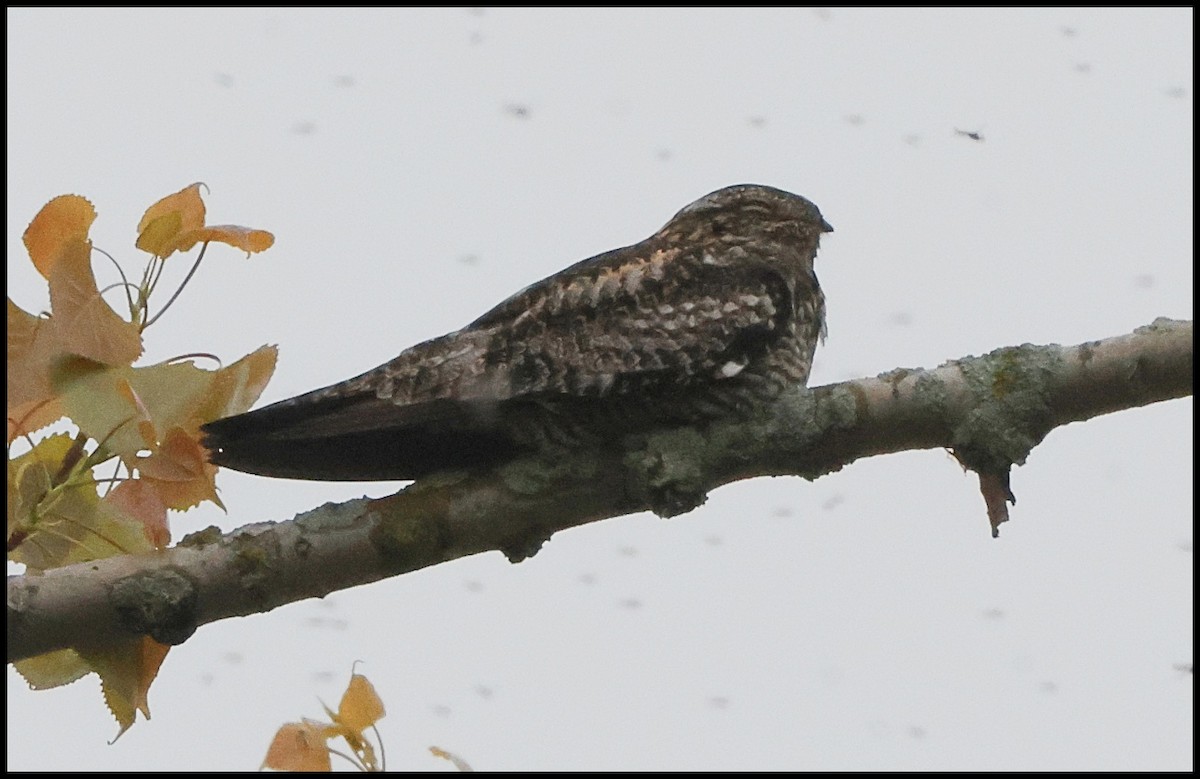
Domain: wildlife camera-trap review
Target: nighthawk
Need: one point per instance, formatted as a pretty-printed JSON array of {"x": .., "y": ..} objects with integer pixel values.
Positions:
[{"x": 715, "y": 314}]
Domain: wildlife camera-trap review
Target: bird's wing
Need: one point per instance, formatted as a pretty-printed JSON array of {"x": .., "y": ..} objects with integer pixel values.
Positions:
[{"x": 622, "y": 322}]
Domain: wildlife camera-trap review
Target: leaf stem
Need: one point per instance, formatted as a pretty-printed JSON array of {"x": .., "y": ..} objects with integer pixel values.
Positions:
[
  {"x": 124, "y": 281},
  {"x": 186, "y": 279}
]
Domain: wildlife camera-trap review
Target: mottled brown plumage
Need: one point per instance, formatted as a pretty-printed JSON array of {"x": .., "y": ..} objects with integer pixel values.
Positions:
[{"x": 714, "y": 314}]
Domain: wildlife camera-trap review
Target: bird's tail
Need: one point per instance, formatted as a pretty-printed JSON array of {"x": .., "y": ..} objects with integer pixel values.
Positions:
[{"x": 355, "y": 438}]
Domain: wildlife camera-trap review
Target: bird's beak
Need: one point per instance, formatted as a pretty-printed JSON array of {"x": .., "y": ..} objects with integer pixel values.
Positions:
[{"x": 826, "y": 227}]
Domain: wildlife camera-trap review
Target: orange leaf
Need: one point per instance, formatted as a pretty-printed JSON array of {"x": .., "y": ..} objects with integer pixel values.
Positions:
[
  {"x": 299, "y": 746},
  {"x": 145, "y": 425},
  {"x": 63, "y": 221},
  {"x": 176, "y": 224},
  {"x": 84, "y": 322},
  {"x": 138, "y": 500},
  {"x": 179, "y": 472},
  {"x": 247, "y": 239},
  {"x": 32, "y": 402},
  {"x": 166, "y": 220}
]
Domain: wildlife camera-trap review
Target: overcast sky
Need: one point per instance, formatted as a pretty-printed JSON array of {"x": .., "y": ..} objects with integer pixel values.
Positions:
[{"x": 417, "y": 166}]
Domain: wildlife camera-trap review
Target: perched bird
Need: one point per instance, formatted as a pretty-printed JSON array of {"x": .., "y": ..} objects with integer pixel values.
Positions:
[{"x": 715, "y": 314}]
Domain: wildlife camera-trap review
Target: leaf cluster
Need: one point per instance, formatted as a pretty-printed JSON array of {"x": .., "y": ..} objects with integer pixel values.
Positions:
[
  {"x": 304, "y": 745},
  {"x": 134, "y": 453}
]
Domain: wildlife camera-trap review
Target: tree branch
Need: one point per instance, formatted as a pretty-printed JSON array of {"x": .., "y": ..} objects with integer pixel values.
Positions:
[{"x": 990, "y": 411}]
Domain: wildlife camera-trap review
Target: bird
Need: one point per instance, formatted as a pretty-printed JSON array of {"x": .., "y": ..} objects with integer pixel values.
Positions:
[{"x": 713, "y": 316}]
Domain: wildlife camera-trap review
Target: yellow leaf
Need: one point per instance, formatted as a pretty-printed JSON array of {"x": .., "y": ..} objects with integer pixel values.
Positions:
[
  {"x": 30, "y": 477},
  {"x": 458, "y": 762},
  {"x": 360, "y": 707},
  {"x": 55, "y": 521},
  {"x": 144, "y": 424},
  {"x": 69, "y": 524},
  {"x": 299, "y": 746},
  {"x": 126, "y": 671},
  {"x": 150, "y": 417},
  {"x": 114, "y": 405},
  {"x": 160, "y": 236},
  {"x": 303, "y": 746},
  {"x": 14, "y": 525},
  {"x": 53, "y": 669},
  {"x": 63, "y": 221},
  {"x": 84, "y": 323},
  {"x": 236, "y": 387},
  {"x": 166, "y": 220}
]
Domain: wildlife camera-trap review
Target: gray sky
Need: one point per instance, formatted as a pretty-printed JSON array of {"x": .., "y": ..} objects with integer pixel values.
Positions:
[{"x": 417, "y": 166}]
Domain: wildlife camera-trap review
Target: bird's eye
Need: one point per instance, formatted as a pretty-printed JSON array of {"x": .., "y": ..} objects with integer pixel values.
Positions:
[{"x": 718, "y": 227}]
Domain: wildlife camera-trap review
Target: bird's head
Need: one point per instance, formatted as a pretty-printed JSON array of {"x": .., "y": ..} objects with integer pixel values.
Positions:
[{"x": 757, "y": 218}]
